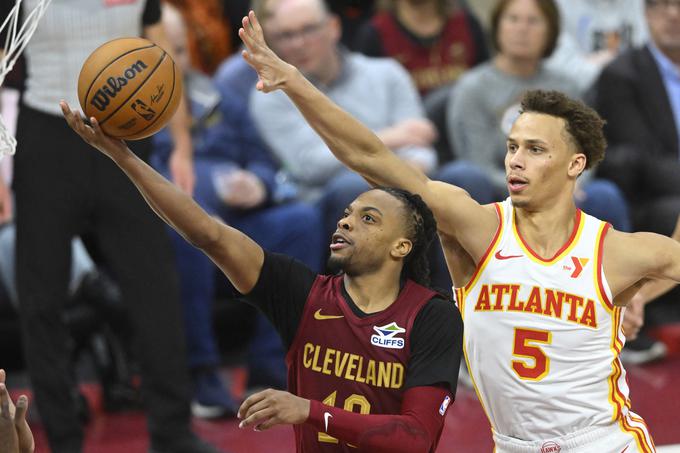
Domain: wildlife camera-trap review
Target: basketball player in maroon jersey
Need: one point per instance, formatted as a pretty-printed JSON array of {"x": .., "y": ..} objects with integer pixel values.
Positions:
[{"x": 373, "y": 355}]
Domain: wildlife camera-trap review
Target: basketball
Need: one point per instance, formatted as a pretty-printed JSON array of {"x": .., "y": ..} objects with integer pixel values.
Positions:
[{"x": 131, "y": 86}]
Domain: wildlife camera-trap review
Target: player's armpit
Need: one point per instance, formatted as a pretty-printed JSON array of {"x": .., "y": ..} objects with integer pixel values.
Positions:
[
  {"x": 460, "y": 217},
  {"x": 416, "y": 429}
]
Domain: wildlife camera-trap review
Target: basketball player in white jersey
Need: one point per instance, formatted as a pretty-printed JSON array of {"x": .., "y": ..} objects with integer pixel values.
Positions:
[{"x": 536, "y": 279}]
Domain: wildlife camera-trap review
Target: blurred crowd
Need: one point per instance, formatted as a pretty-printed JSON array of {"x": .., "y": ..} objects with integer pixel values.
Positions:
[{"x": 439, "y": 82}]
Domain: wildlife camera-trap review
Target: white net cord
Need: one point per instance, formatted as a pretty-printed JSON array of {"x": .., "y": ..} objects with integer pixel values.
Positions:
[{"x": 16, "y": 38}]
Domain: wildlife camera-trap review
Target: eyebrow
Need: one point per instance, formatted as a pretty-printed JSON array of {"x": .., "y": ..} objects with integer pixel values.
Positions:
[
  {"x": 531, "y": 141},
  {"x": 371, "y": 208}
]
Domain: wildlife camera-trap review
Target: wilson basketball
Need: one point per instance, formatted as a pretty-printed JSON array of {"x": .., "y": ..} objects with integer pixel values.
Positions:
[{"x": 131, "y": 86}]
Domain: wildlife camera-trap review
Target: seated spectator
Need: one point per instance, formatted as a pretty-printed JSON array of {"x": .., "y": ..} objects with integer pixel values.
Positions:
[
  {"x": 434, "y": 41},
  {"x": 593, "y": 33},
  {"x": 378, "y": 92},
  {"x": 235, "y": 180},
  {"x": 208, "y": 37},
  {"x": 485, "y": 101},
  {"x": 639, "y": 96}
]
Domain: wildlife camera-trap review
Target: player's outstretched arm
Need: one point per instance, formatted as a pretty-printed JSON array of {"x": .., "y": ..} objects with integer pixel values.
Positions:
[
  {"x": 350, "y": 141},
  {"x": 238, "y": 256},
  {"x": 361, "y": 150},
  {"x": 630, "y": 258},
  {"x": 416, "y": 429}
]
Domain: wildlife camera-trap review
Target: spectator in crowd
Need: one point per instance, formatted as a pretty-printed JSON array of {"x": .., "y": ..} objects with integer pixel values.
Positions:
[
  {"x": 639, "y": 96},
  {"x": 377, "y": 91},
  {"x": 485, "y": 101},
  {"x": 208, "y": 38},
  {"x": 236, "y": 182},
  {"x": 435, "y": 41},
  {"x": 593, "y": 33},
  {"x": 60, "y": 178}
]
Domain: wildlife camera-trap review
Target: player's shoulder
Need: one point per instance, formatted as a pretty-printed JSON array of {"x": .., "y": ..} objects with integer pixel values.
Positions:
[{"x": 440, "y": 310}]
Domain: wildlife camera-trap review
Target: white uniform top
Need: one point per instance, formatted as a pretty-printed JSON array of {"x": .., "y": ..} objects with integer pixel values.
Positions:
[
  {"x": 66, "y": 35},
  {"x": 542, "y": 338}
]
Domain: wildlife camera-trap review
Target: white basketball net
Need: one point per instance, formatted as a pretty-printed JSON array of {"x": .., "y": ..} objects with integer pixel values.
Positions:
[{"x": 16, "y": 39}]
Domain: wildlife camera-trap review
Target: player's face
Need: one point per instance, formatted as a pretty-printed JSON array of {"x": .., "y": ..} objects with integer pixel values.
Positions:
[
  {"x": 369, "y": 234},
  {"x": 523, "y": 30},
  {"x": 304, "y": 35},
  {"x": 540, "y": 160}
]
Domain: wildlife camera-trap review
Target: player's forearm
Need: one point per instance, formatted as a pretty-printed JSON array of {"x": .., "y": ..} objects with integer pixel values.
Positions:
[
  {"x": 350, "y": 141},
  {"x": 655, "y": 288},
  {"x": 416, "y": 429},
  {"x": 171, "y": 204}
]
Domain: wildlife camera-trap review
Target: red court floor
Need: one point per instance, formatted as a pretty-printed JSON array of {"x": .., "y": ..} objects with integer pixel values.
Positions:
[{"x": 655, "y": 395}]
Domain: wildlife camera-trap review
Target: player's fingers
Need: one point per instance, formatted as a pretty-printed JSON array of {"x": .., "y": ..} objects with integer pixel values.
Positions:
[
  {"x": 256, "y": 24},
  {"x": 250, "y": 401},
  {"x": 269, "y": 423},
  {"x": 247, "y": 41},
  {"x": 3, "y": 376},
  {"x": 4, "y": 402},
  {"x": 22, "y": 407},
  {"x": 254, "y": 408},
  {"x": 257, "y": 418}
]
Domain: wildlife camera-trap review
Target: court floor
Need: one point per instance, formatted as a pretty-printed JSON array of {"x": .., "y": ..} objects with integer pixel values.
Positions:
[{"x": 654, "y": 391}]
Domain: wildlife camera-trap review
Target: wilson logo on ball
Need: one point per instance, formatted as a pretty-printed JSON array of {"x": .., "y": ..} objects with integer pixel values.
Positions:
[{"x": 102, "y": 98}]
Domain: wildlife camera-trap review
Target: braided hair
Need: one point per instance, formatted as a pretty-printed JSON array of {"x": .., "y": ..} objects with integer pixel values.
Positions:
[{"x": 421, "y": 230}]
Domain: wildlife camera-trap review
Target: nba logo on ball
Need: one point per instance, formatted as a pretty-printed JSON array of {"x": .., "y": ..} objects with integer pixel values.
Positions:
[
  {"x": 550, "y": 447},
  {"x": 131, "y": 86}
]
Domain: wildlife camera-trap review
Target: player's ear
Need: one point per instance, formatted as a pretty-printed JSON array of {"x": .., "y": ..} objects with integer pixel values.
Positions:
[
  {"x": 402, "y": 247},
  {"x": 577, "y": 164}
]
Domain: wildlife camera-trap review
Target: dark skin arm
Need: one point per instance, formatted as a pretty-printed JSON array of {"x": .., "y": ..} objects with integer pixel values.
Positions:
[{"x": 238, "y": 256}]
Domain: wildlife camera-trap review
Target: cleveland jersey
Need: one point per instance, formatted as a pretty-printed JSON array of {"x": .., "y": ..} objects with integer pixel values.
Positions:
[
  {"x": 350, "y": 362},
  {"x": 542, "y": 337}
]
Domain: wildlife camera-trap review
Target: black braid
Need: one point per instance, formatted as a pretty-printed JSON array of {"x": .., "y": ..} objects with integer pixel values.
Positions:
[{"x": 421, "y": 230}]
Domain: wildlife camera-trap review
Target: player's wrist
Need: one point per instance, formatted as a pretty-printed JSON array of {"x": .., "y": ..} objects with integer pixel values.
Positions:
[{"x": 315, "y": 417}]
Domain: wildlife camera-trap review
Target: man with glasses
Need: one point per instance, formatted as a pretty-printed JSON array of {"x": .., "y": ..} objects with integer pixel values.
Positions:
[
  {"x": 378, "y": 91},
  {"x": 639, "y": 96}
]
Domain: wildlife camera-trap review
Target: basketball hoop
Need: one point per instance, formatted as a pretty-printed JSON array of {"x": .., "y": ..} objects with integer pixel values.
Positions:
[{"x": 17, "y": 36}]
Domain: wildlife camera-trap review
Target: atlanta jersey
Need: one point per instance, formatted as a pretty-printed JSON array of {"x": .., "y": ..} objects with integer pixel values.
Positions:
[{"x": 542, "y": 337}]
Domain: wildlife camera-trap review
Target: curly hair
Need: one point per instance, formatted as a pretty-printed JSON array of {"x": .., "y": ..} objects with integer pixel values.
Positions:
[
  {"x": 584, "y": 125},
  {"x": 421, "y": 229}
]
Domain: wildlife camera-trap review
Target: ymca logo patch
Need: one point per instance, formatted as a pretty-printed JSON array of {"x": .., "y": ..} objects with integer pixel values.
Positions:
[
  {"x": 550, "y": 447},
  {"x": 577, "y": 266},
  {"x": 387, "y": 336}
]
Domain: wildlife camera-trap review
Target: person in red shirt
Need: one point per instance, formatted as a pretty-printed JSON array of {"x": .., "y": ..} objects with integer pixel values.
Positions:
[
  {"x": 373, "y": 354},
  {"x": 433, "y": 40}
]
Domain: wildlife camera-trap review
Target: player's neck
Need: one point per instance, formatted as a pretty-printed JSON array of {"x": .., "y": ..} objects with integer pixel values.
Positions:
[
  {"x": 373, "y": 292},
  {"x": 546, "y": 230}
]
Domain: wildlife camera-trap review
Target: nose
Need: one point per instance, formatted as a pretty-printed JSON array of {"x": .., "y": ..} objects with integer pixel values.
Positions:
[
  {"x": 344, "y": 224},
  {"x": 516, "y": 159}
]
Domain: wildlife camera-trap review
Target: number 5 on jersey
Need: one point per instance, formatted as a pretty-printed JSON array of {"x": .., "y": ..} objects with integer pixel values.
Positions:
[{"x": 524, "y": 347}]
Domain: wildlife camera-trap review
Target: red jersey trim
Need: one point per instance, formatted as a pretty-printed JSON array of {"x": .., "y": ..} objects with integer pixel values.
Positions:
[{"x": 487, "y": 254}]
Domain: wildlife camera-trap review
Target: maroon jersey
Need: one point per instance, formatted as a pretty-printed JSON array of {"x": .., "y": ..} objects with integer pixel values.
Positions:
[
  {"x": 351, "y": 362},
  {"x": 440, "y": 62}
]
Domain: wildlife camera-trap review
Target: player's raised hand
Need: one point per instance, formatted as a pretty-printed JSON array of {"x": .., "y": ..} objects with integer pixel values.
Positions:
[
  {"x": 15, "y": 434},
  {"x": 271, "y": 70},
  {"x": 92, "y": 134},
  {"x": 270, "y": 407}
]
